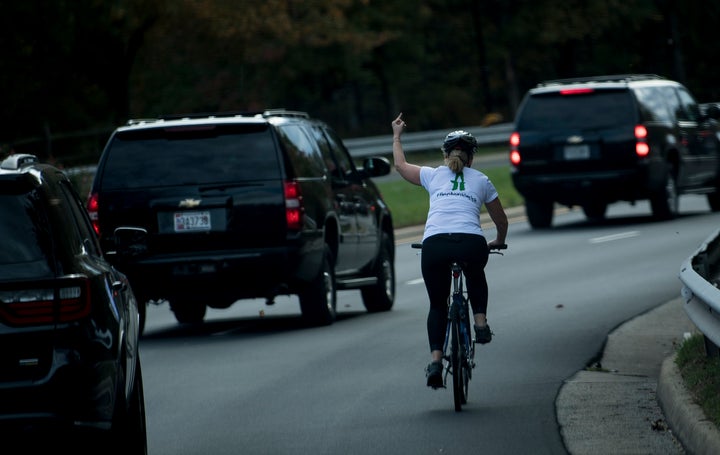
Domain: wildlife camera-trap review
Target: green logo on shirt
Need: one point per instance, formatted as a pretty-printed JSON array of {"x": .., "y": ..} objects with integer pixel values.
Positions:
[{"x": 457, "y": 184}]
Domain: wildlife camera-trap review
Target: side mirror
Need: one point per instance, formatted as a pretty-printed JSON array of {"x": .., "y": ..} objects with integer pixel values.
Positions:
[
  {"x": 713, "y": 111},
  {"x": 130, "y": 242},
  {"x": 376, "y": 166}
]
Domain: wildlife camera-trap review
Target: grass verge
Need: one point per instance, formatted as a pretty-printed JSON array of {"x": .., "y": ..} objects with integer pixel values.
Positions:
[{"x": 701, "y": 375}]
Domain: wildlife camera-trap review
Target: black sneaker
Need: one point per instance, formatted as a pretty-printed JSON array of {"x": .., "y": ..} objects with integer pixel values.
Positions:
[
  {"x": 483, "y": 335},
  {"x": 434, "y": 375}
]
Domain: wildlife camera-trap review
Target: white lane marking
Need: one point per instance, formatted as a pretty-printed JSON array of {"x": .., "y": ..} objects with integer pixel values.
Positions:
[
  {"x": 416, "y": 281},
  {"x": 620, "y": 236}
]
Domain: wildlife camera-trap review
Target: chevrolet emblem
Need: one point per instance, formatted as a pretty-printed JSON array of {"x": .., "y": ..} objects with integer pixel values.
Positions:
[
  {"x": 574, "y": 139},
  {"x": 189, "y": 203}
]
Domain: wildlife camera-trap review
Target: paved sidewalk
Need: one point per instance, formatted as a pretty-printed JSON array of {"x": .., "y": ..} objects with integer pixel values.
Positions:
[{"x": 634, "y": 402}]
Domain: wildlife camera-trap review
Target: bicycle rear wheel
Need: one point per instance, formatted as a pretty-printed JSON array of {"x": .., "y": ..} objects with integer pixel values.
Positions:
[
  {"x": 468, "y": 350},
  {"x": 459, "y": 372}
]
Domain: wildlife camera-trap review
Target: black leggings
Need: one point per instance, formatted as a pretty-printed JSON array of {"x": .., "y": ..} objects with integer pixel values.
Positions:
[{"x": 438, "y": 253}]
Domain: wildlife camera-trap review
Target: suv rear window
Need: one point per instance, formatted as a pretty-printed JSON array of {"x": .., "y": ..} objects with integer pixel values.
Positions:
[
  {"x": 169, "y": 156},
  {"x": 305, "y": 157},
  {"x": 654, "y": 102},
  {"x": 27, "y": 244},
  {"x": 600, "y": 109}
]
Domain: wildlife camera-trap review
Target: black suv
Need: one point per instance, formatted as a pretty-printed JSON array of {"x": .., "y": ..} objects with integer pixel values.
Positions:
[
  {"x": 69, "y": 323},
  {"x": 593, "y": 141},
  {"x": 210, "y": 209}
]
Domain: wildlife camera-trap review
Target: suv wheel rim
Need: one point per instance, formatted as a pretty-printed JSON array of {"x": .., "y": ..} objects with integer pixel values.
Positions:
[
  {"x": 671, "y": 193},
  {"x": 388, "y": 275},
  {"x": 329, "y": 291}
]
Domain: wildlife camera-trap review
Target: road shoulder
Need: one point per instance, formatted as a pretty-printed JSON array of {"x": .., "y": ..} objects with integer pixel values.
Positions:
[{"x": 615, "y": 408}]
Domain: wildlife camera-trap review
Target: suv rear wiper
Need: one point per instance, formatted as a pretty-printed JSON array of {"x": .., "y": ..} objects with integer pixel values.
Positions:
[{"x": 225, "y": 186}]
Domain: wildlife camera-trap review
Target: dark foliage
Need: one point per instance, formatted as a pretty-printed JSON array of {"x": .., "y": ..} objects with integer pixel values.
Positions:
[{"x": 72, "y": 71}]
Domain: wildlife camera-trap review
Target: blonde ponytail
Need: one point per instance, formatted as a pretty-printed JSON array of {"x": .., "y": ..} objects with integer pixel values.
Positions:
[{"x": 456, "y": 160}]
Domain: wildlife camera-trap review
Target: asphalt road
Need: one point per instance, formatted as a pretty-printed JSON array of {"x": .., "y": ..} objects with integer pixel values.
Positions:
[{"x": 253, "y": 380}]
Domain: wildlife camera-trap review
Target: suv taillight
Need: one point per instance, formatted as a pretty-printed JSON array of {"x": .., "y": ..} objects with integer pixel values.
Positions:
[
  {"x": 514, "y": 152},
  {"x": 576, "y": 91},
  {"x": 47, "y": 302},
  {"x": 92, "y": 209},
  {"x": 293, "y": 206},
  {"x": 642, "y": 149}
]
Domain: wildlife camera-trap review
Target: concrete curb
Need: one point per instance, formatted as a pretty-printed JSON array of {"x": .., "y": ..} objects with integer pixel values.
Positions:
[
  {"x": 687, "y": 420},
  {"x": 638, "y": 404}
]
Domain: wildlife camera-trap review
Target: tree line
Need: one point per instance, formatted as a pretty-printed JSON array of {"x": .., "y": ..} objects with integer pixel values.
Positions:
[{"x": 72, "y": 71}]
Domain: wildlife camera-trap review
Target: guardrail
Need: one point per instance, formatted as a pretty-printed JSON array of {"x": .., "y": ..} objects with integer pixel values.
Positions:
[
  {"x": 425, "y": 140},
  {"x": 412, "y": 142},
  {"x": 700, "y": 277}
]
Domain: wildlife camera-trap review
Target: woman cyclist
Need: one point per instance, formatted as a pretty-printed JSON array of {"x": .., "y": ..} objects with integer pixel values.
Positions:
[{"x": 453, "y": 233}]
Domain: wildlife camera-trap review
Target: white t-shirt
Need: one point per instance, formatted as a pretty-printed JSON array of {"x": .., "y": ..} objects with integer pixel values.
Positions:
[{"x": 455, "y": 200}]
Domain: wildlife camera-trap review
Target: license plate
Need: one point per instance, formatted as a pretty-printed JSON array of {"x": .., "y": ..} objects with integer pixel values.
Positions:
[
  {"x": 576, "y": 152},
  {"x": 192, "y": 221}
]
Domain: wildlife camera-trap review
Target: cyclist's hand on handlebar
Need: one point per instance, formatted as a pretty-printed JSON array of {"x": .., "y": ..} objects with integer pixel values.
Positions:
[{"x": 495, "y": 245}]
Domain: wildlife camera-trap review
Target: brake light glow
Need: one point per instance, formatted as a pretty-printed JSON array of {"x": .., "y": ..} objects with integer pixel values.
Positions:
[
  {"x": 63, "y": 300},
  {"x": 515, "y": 157},
  {"x": 294, "y": 209},
  {"x": 92, "y": 209},
  {"x": 642, "y": 149},
  {"x": 576, "y": 91}
]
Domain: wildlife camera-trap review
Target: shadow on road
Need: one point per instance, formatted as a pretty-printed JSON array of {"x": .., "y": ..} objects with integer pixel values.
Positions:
[{"x": 234, "y": 327}]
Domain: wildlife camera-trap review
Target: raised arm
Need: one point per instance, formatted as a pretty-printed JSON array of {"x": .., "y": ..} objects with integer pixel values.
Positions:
[{"x": 410, "y": 172}]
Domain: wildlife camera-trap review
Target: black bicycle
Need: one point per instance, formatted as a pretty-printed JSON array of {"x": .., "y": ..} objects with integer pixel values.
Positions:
[{"x": 460, "y": 358}]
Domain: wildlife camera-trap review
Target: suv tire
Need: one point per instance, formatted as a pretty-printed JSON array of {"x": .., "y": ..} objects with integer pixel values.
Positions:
[
  {"x": 539, "y": 213},
  {"x": 665, "y": 201},
  {"x": 188, "y": 311},
  {"x": 142, "y": 305},
  {"x": 128, "y": 428},
  {"x": 380, "y": 297},
  {"x": 318, "y": 298},
  {"x": 714, "y": 201},
  {"x": 595, "y": 211}
]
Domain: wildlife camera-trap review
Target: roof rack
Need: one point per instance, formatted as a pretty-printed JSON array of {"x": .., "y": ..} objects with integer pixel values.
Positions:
[
  {"x": 279, "y": 112},
  {"x": 209, "y": 114},
  {"x": 137, "y": 121},
  {"x": 282, "y": 112},
  {"x": 193, "y": 115},
  {"x": 607, "y": 78}
]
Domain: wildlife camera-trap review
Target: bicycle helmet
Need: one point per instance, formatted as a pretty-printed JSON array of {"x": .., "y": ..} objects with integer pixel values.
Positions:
[{"x": 462, "y": 139}]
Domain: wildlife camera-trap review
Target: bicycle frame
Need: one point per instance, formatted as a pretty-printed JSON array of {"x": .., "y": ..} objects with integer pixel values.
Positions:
[
  {"x": 460, "y": 358},
  {"x": 458, "y": 305}
]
